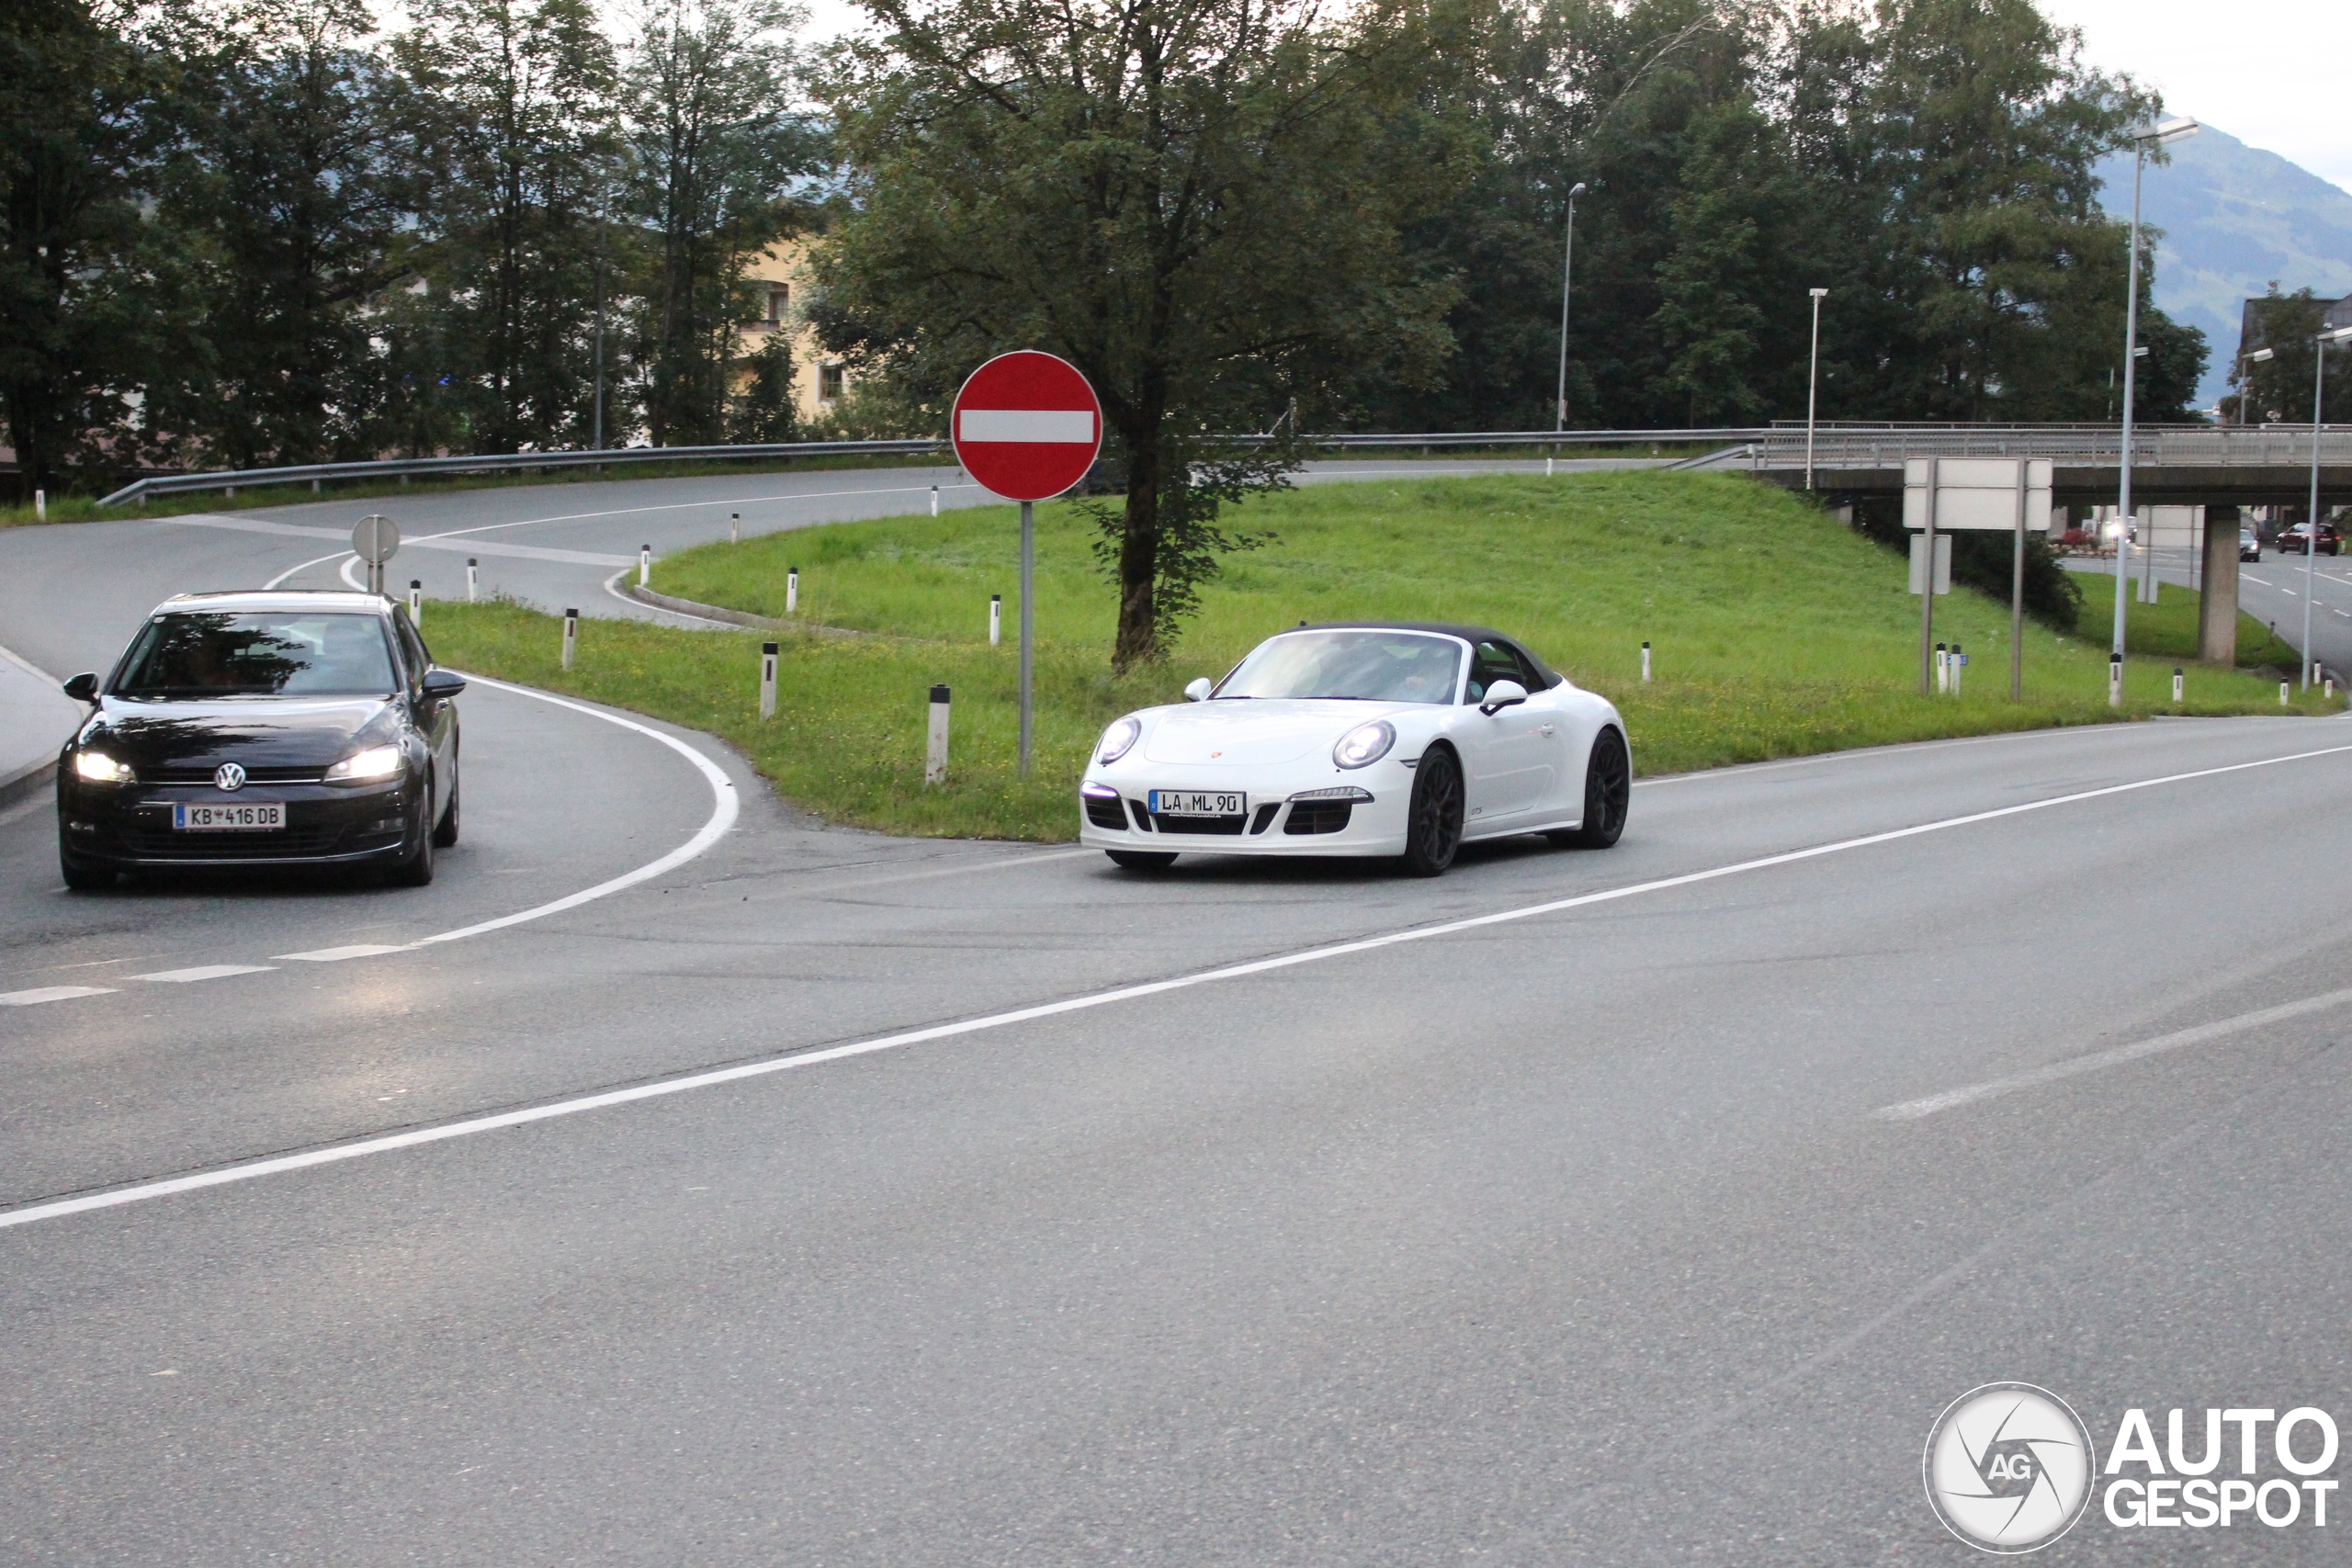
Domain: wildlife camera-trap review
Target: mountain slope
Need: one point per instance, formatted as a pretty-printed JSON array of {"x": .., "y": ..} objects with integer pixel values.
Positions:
[{"x": 2235, "y": 217}]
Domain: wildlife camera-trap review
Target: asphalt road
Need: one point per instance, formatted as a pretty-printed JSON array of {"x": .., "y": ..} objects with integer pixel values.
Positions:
[{"x": 1549, "y": 1213}]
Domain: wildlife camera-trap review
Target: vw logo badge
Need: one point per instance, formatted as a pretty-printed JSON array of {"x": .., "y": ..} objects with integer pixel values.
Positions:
[{"x": 228, "y": 775}]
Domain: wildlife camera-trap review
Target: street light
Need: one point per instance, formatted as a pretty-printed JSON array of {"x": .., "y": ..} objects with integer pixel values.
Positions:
[
  {"x": 2162, "y": 135},
  {"x": 1568, "y": 262},
  {"x": 1813, "y": 382},
  {"x": 2311, "y": 541}
]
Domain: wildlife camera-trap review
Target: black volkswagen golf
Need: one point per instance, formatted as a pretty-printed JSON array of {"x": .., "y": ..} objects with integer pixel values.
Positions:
[{"x": 253, "y": 730}]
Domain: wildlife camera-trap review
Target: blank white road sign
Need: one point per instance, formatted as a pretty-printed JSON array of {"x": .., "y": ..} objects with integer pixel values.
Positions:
[{"x": 1977, "y": 492}]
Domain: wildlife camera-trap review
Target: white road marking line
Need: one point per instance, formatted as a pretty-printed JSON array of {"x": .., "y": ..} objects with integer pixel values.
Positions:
[
  {"x": 690, "y": 506},
  {"x": 2034, "y": 1077},
  {"x": 723, "y": 809},
  {"x": 306, "y": 566},
  {"x": 349, "y": 563},
  {"x": 339, "y": 1153},
  {"x": 203, "y": 972},
  {"x": 338, "y": 955},
  {"x": 2245, "y": 576},
  {"x": 50, "y": 994}
]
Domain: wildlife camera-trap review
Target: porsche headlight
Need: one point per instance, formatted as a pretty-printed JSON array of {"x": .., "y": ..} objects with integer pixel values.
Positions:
[
  {"x": 1365, "y": 744},
  {"x": 1117, "y": 740},
  {"x": 99, "y": 767},
  {"x": 376, "y": 762}
]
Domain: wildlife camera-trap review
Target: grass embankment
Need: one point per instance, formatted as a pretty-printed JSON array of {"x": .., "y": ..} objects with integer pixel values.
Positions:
[
  {"x": 80, "y": 508},
  {"x": 2168, "y": 628},
  {"x": 1776, "y": 632}
]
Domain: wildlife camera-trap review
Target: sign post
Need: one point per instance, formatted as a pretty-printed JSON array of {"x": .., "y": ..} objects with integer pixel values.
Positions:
[
  {"x": 1941, "y": 496},
  {"x": 1027, "y": 426},
  {"x": 375, "y": 541}
]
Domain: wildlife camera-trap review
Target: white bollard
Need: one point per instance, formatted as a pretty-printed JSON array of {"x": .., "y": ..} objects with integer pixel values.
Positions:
[
  {"x": 2314, "y": 680},
  {"x": 1959, "y": 662},
  {"x": 1547, "y": 467},
  {"x": 791, "y": 589},
  {"x": 996, "y": 619},
  {"x": 935, "y": 501},
  {"x": 2175, "y": 683},
  {"x": 767, "y": 680},
  {"x": 571, "y": 635},
  {"x": 415, "y": 603},
  {"x": 2282, "y": 692},
  {"x": 1943, "y": 669},
  {"x": 644, "y": 565},
  {"x": 734, "y": 527},
  {"x": 1645, "y": 661},
  {"x": 934, "y": 766},
  {"x": 474, "y": 580},
  {"x": 2115, "y": 679},
  {"x": 41, "y": 506}
]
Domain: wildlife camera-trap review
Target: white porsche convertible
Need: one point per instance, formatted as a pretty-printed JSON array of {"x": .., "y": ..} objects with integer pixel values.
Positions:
[{"x": 1387, "y": 739}]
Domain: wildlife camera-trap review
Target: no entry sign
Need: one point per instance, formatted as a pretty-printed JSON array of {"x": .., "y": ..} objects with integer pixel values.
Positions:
[{"x": 1026, "y": 426}]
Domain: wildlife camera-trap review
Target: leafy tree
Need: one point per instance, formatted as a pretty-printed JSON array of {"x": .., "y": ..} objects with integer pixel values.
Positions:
[
  {"x": 717, "y": 153},
  {"x": 295, "y": 181},
  {"x": 513, "y": 107},
  {"x": 762, "y": 410},
  {"x": 1196, "y": 202},
  {"x": 89, "y": 310},
  {"x": 2279, "y": 390}
]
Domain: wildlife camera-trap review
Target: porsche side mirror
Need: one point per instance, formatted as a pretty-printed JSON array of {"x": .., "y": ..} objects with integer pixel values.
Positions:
[
  {"x": 1501, "y": 696},
  {"x": 83, "y": 688},
  {"x": 439, "y": 683},
  {"x": 1198, "y": 690}
]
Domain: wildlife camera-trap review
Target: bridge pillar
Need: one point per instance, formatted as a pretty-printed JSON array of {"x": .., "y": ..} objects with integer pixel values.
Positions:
[{"x": 2217, "y": 612}]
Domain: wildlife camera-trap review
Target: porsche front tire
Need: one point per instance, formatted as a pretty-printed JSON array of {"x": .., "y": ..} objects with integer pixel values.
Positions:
[
  {"x": 1608, "y": 792},
  {"x": 1433, "y": 821}
]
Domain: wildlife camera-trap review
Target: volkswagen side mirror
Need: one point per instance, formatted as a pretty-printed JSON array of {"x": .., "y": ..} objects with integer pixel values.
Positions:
[
  {"x": 1198, "y": 690},
  {"x": 1501, "y": 696},
  {"x": 83, "y": 688},
  {"x": 440, "y": 683}
]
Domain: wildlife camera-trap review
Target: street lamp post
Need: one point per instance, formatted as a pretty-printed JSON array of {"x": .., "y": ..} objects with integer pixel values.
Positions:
[
  {"x": 1568, "y": 265},
  {"x": 2171, "y": 131},
  {"x": 2311, "y": 540},
  {"x": 1813, "y": 383}
]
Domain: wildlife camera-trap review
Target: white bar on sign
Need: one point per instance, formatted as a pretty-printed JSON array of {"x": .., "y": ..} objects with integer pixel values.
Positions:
[{"x": 1066, "y": 426}]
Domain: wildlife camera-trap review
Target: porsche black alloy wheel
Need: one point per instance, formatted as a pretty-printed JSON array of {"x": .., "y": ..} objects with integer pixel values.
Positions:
[
  {"x": 1608, "y": 792},
  {"x": 1433, "y": 821},
  {"x": 1141, "y": 860}
]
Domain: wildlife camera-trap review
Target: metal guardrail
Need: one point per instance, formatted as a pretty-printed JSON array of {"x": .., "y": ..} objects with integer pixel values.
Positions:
[
  {"x": 1755, "y": 446},
  {"x": 514, "y": 462},
  {"x": 2262, "y": 446}
]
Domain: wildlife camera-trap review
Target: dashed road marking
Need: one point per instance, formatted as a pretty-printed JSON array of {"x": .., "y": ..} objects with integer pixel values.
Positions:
[
  {"x": 203, "y": 972},
  {"x": 336, "y": 954},
  {"x": 50, "y": 994}
]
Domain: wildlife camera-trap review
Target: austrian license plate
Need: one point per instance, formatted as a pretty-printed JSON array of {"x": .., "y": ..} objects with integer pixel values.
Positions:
[
  {"x": 246, "y": 815},
  {"x": 1198, "y": 803}
]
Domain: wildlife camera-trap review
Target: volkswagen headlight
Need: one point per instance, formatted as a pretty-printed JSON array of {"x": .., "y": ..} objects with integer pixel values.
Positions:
[
  {"x": 361, "y": 767},
  {"x": 1365, "y": 744},
  {"x": 99, "y": 767},
  {"x": 1118, "y": 741}
]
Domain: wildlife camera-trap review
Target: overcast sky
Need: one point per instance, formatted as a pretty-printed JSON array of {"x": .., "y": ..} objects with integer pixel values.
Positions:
[{"x": 2272, "y": 72}]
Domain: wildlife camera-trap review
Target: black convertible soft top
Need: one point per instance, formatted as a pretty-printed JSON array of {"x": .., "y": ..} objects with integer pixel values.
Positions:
[{"x": 1472, "y": 635}]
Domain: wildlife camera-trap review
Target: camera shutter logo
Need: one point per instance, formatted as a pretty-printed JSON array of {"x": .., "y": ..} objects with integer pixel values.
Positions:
[
  {"x": 229, "y": 776},
  {"x": 2008, "y": 1468}
]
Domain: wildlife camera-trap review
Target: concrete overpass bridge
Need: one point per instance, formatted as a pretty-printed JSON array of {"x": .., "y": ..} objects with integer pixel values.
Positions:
[{"x": 2171, "y": 465}]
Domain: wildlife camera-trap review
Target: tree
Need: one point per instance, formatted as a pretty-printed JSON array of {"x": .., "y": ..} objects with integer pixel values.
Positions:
[
  {"x": 514, "y": 109},
  {"x": 1196, "y": 202},
  {"x": 296, "y": 181},
  {"x": 88, "y": 307},
  {"x": 2280, "y": 388},
  {"x": 717, "y": 153}
]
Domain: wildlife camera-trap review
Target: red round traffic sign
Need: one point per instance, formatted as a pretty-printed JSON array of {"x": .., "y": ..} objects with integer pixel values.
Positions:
[{"x": 1026, "y": 426}]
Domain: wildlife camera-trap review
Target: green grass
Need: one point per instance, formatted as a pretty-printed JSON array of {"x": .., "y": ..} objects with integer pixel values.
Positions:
[
  {"x": 1777, "y": 632},
  {"x": 78, "y": 508},
  {"x": 2168, "y": 628}
]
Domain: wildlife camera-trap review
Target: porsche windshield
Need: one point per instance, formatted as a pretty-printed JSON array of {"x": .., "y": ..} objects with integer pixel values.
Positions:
[
  {"x": 1369, "y": 666},
  {"x": 211, "y": 653}
]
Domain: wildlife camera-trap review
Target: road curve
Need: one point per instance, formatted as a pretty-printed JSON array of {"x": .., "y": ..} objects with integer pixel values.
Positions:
[{"x": 1633, "y": 1207}]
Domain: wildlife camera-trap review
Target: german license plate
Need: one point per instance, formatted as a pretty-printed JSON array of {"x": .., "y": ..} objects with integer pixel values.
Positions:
[
  {"x": 245, "y": 816},
  {"x": 1198, "y": 803}
]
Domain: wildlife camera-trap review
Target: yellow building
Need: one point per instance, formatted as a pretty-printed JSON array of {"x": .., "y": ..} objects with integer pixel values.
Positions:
[{"x": 779, "y": 276}]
